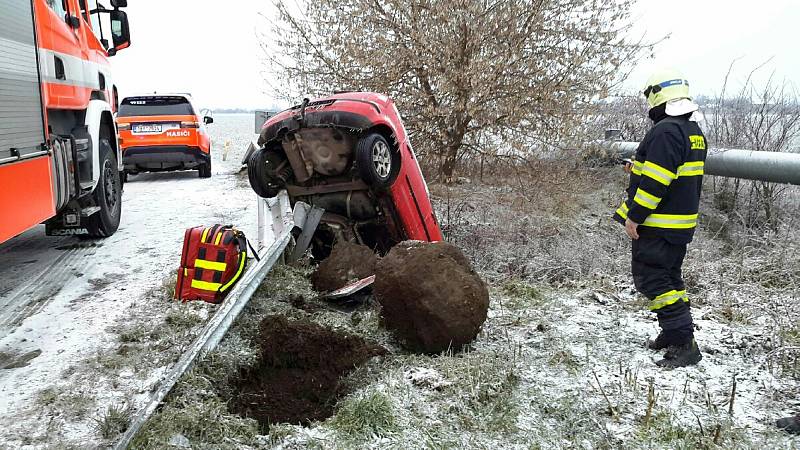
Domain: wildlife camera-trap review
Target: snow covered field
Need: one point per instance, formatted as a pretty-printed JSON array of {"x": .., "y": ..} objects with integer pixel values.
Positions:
[
  {"x": 561, "y": 361},
  {"x": 89, "y": 327},
  {"x": 60, "y": 296}
]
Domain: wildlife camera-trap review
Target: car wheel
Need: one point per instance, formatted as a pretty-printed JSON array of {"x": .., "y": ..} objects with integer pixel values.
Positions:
[
  {"x": 378, "y": 163},
  {"x": 268, "y": 172},
  {"x": 107, "y": 195},
  {"x": 204, "y": 171}
]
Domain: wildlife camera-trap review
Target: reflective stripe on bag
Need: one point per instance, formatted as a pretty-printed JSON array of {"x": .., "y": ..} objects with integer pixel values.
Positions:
[
  {"x": 206, "y": 285},
  {"x": 242, "y": 260},
  {"x": 211, "y": 265}
]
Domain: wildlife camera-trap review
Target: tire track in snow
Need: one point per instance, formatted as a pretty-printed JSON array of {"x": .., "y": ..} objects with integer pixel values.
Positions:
[{"x": 35, "y": 294}]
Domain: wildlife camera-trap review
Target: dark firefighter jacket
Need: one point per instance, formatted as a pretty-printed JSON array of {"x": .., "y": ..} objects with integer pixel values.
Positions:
[{"x": 666, "y": 180}]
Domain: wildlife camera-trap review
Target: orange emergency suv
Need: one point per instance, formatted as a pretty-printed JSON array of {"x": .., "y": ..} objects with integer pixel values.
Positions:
[
  {"x": 59, "y": 159},
  {"x": 163, "y": 132}
]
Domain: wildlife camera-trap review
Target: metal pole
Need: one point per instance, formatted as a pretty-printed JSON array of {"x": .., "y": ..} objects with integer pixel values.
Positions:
[
  {"x": 262, "y": 223},
  {"x": 774, "y": 167}
]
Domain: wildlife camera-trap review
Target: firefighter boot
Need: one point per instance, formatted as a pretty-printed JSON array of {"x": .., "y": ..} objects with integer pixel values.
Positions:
[
  {"x": 681, "y": 355},
  {"x": 659, "y": 343},
  {"x": 789, "y": 424}
]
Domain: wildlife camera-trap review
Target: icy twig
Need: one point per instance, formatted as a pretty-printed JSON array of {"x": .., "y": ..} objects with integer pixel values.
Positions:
[
  {"x": 611, "y": 407},
  {"x": 651, "y": 402}
]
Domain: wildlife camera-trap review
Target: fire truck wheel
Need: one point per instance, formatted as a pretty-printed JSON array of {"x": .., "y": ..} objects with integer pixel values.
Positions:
[
  {"x": 204, "y": 171},
  {"x": 268, "y": 172},
  {"x": 107, "y": 195},
  {"x": 378, "y": 163}
]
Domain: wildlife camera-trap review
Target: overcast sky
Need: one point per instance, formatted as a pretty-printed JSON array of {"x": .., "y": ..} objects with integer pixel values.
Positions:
[{"x": 210, "y": 48}]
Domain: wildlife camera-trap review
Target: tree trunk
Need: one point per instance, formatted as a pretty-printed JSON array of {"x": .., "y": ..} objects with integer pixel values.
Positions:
[{"x": 447, "y": 169}]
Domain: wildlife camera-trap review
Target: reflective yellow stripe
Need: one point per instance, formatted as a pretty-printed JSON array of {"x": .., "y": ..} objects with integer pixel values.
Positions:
[
  {"x": 219, "y": 236},
  {"x": 691, "y": 169},
  {"x": 623, "y": 210},
  {"x": 205, "y": 285},
  {"x": 213, "y": 265},
  {"x": 658, "y": 173},
  {"x": 675, "y": 221},
  {"x": 205, "y": 235},
  {"x": 637, "y": 167},
  {"x": 185, "y": 272},
  {"x": 698, "y": 142},
  {"x": 667, "y": 299},
  {"x": 646, "y": 199},
  {"x": 238, "y": 272},
  {"x": 680, "y": 221}
]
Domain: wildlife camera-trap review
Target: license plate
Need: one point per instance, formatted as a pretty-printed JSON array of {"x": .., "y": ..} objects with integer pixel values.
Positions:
[{"x": 147, "y": 128}]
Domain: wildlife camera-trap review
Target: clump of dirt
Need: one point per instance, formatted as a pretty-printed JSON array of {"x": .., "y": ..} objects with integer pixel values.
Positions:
[
  {"x": 430, "y": 296},
  {"x": 347, "y": 262},
  {"x": 297, "y": 377}
]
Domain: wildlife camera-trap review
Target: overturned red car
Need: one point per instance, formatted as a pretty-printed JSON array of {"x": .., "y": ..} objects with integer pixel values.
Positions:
[{"x": 349, "y": 155}]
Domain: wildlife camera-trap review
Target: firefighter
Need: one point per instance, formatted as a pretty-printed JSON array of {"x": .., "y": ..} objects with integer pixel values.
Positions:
[{"x": 660, "y": 212}]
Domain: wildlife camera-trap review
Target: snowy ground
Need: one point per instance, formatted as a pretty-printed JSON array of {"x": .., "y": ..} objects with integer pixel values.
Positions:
[
  {"x": 560, "y": 362},
  {"x": 62, "y": 299}
]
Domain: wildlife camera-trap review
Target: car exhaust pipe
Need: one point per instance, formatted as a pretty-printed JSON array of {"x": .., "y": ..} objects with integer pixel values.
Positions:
[{"x": 773, "y": 167}]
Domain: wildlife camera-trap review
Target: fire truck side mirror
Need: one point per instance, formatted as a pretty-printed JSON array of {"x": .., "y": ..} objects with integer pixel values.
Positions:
[
  {"x": 119, "y": 3},
  {"x": 120, "y": 32}
]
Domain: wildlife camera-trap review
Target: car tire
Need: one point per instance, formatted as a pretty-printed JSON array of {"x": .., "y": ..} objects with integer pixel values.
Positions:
[
  {"x": 378, "y": 163},
  {"x": 267, "y": 172},
  {"x": 107, "y": 195},
  {"x": 204, "y": 171}
]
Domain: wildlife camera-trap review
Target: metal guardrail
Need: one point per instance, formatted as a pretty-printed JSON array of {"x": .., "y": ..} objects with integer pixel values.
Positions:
[
  {"x": 774, "y": 167},
  {"x": 275, "y": 213}
]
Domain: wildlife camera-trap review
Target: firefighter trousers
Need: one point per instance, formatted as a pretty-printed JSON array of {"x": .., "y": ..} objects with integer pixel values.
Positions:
[{"x": 656, "y": 267}]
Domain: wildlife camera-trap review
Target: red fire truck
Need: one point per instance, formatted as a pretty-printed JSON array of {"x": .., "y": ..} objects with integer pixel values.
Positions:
[{"x": 59, "y": 156}]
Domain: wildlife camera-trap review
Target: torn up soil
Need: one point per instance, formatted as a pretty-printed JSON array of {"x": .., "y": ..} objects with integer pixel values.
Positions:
[
  {"x": 297, "y": 377},
  {"x": 347, "y": 262},
  {"x": 430, "y": 296}
]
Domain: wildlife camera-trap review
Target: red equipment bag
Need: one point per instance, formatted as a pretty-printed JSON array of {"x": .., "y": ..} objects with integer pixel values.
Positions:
[{"x": 213, "y": 259}]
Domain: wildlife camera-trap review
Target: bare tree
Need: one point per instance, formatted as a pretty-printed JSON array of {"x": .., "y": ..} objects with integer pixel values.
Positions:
[
  {"x": 463, "y": 72},
  {"x": 626, "y": 113}
]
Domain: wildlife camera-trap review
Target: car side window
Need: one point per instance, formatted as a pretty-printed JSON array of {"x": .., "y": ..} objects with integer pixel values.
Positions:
[{"x": 59, "y": 7}]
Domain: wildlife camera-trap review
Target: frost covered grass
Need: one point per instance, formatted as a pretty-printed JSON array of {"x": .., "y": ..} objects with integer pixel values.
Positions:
[
  {"x": 90, "y": 398},
  {"x": 114, "y": 420},
  {"x": 560, "y": 362}
]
